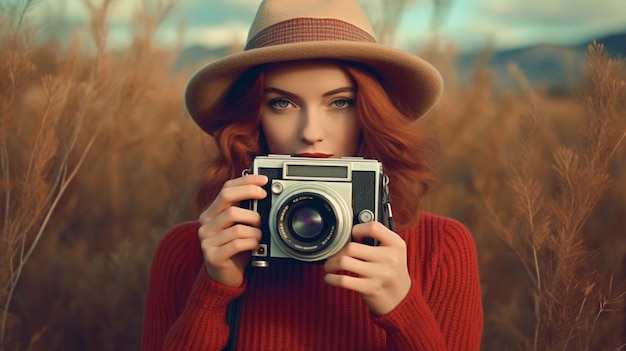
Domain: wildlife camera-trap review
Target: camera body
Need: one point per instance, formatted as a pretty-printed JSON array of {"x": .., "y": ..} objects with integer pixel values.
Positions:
[{"x": 312, "y": 205}]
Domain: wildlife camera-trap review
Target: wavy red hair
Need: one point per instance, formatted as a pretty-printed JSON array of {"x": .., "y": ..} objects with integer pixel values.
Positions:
[{"x": 387, "y": 135}]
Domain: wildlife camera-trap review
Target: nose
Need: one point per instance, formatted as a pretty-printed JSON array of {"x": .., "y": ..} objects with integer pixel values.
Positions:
[{"x": 311, "y": 130}]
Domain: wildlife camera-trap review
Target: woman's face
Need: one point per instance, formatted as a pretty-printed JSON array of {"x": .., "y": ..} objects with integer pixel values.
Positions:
[{"x": 309, "y": 110}]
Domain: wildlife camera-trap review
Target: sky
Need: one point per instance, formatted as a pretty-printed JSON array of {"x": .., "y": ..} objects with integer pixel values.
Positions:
[{"x": 470, "y": 25}]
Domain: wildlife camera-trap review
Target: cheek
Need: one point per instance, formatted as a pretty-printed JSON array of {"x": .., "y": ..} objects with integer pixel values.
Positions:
[
  {"x": 352, "y": 134},
  {"x": 277, "y": 136}
]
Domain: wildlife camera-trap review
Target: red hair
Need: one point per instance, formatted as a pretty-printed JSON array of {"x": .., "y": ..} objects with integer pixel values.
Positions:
[
  {"x": 390, "y": 137},
  {"x": 387, "y": 135},
  {"x": 237, "y": 135}
]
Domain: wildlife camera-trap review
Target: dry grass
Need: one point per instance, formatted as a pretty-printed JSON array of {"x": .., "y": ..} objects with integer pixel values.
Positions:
[
  {"x": 545, "y": 197},
  {"x": 98, "y": 159}
]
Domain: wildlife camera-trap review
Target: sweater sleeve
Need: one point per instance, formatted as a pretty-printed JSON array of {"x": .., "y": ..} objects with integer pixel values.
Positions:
[
  {"x": 443, "y": 310},
  {"x": 185, "y": 309}
]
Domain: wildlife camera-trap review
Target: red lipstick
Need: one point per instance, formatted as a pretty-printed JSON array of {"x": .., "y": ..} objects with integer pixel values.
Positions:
[{"x": 314, "y": 155}]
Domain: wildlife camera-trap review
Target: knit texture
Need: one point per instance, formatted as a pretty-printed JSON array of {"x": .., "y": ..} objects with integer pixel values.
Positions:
[{"x": 289, "y": 307}]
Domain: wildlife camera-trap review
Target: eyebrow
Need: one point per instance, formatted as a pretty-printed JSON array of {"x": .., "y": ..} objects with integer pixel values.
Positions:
[{"x": 328, "y": 93}]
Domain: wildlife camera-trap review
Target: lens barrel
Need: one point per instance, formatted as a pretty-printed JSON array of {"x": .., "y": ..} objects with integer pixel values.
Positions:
[{"x": 310, "y": 222}]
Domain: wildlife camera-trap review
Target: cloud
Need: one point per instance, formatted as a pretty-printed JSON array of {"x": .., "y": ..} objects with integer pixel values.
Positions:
[
  {"x": 515, "y": 23},
  {"x": 571, "y": 12}
]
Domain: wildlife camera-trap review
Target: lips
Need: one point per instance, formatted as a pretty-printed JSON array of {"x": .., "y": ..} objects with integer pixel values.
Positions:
[{"x": 314, "y": 155}]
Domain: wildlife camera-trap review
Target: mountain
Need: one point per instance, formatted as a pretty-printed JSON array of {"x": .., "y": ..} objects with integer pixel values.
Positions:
[
  {"x": 553, "y": 67},
  {"x": 615, "y": 45}
]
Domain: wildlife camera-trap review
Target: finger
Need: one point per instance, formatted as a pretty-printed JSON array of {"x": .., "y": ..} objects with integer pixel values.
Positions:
[
  {"x": 233, "y": 192},
  {"x": 349, "y": 282},
  {"x": 347, "y": 263},
  {"x": 229, "y": 197},
  {"x": 376, "y": 231},
  {"x": 229, "y": 217},
  {"x": 358, "y": 251},
  {"x": 220, "y": 256},
  {"x": 250, "y": 179},
  {"x": 223, "y": 245},
  {"x": 223, "y": 237},
  {"x": 240, "y": 245},
  {"x": 389, "y": 256},
  {"x": 232, "y": 195}
]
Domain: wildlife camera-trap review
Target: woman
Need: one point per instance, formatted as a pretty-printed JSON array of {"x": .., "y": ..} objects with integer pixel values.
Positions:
[{"x": 313, "y": 82}]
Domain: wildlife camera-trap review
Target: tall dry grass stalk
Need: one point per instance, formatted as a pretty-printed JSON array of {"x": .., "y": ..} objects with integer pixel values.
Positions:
[
  {"x": 38, "y": 154},
  {"x": 567, "y": 295},
  {"x": 69, "y": 117}
]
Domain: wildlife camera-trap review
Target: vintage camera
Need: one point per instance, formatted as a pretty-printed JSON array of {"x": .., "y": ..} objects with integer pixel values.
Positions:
[{"x": 313, "y": 203}]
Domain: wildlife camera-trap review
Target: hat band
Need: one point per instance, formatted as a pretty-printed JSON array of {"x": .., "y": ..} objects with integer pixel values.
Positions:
[{"x": 299, "y": 30}]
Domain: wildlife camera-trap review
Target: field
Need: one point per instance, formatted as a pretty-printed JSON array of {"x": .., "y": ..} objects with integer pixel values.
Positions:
[{"x": 98, "y": 159}]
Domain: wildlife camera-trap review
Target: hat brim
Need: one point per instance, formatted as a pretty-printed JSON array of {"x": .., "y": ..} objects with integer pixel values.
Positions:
[{"x": 413, "y": 84}]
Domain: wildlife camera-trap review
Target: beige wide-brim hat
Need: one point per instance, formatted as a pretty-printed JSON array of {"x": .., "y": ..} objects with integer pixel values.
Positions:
[{"x": 286, "y": 30}]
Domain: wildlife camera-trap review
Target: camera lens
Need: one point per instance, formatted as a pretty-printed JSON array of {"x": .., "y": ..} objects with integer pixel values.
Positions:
[{"x": 307, "y": 223}]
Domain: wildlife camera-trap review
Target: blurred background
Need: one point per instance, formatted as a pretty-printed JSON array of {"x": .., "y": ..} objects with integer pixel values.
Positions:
[
  {"x": 555, "y": 33},
  {"x": 98, "y": 157}
]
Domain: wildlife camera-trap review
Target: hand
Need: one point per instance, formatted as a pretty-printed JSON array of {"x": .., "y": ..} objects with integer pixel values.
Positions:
[
  {"x": 379, "y": 273},
  {"x": 228, "y": 232}
]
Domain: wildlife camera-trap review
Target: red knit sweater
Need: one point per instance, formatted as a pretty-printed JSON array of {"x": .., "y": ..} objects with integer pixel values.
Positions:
[{"x": 289, "y": 307}]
